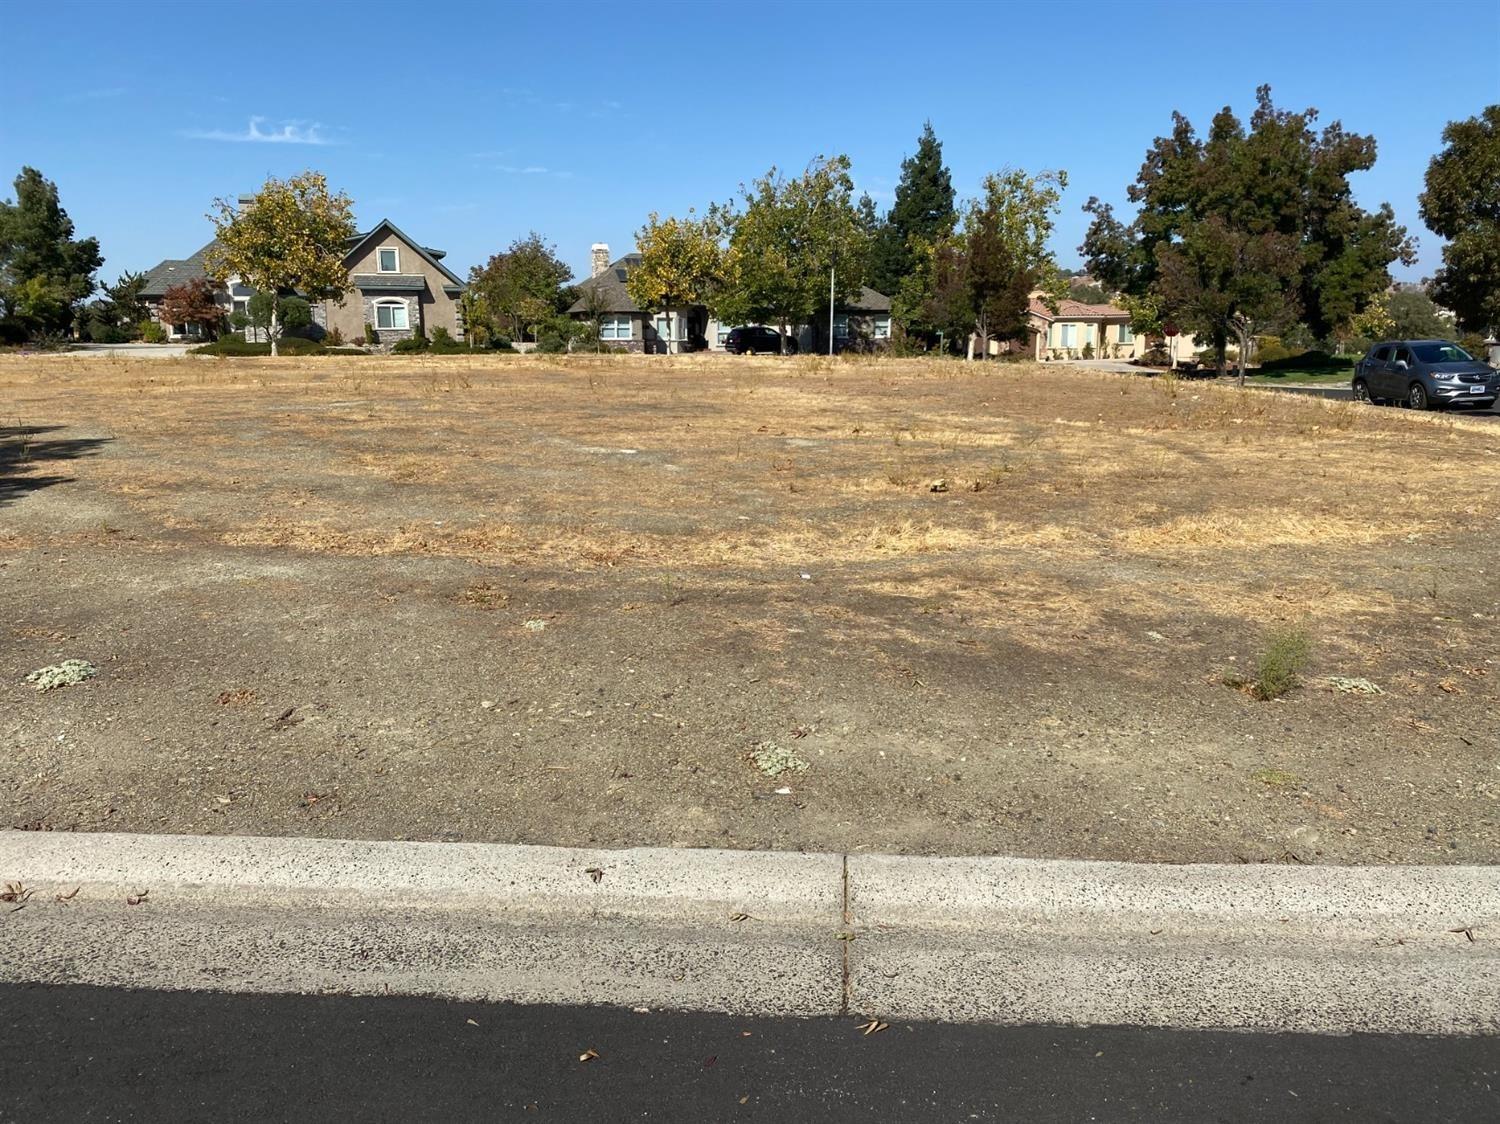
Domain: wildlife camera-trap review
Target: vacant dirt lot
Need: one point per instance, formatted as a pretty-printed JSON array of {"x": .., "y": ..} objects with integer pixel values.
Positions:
[{"x": 992, "y": 609}]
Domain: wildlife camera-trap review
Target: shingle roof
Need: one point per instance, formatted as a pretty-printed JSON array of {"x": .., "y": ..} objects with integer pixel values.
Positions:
[
  {"x": 174, "y": 271},
  {"x": 1077, "y": 310},
  {"x": 392, "y": 282},
  {"x": 611, "y": 288},
  {"x": 869, "y": 301}
]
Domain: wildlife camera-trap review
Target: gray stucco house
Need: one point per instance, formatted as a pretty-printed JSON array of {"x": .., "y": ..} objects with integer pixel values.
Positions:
[{"x": 624, "y": 324}]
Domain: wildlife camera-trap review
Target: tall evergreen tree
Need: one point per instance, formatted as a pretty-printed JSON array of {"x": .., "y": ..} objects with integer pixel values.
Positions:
[
  {"x": 1246, "y": 228},
  {"x": 924, "y": 210},
  {"x": 45, "y": 273}
]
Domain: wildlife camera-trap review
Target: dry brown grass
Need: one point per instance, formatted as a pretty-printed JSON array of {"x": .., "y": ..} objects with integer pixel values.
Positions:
[{"x": 1067, "y": 484}]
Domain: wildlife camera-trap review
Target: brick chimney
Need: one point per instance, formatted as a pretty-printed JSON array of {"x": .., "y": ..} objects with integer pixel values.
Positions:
[{"x": 599, "y": 256}]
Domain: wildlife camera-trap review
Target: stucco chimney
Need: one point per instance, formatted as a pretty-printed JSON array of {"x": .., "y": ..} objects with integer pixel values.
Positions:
[{"x": 599, "y": 254}]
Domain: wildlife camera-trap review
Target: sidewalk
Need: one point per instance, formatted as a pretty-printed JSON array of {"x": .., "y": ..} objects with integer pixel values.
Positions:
[{"x": 1321, "y": 949}]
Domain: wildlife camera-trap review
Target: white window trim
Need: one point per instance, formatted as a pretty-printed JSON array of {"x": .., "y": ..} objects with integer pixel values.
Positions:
[
  {"x": 882, "y": 328},
  {"x": 393, "y": 304},
  {"x": 611, "y": 326},
  {"x": 393, "y": 249}
]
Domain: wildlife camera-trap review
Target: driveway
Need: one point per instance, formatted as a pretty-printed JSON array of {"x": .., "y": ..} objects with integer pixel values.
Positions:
[{"x": 136, "y": 350}]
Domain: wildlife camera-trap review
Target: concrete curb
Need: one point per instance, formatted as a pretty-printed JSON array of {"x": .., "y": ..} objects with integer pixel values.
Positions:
[{"x": 1326, "y": 949}]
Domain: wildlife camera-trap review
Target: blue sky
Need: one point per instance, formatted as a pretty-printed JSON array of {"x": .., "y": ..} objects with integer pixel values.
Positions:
[{"x": 470, "y": 124}]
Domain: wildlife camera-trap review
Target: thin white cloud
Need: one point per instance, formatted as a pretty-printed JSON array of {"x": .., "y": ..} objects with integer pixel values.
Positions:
[
  {"x": 528, "y": 170},
  {"x": 102, "y": 94},
  {"x": 290, "y": 132}
]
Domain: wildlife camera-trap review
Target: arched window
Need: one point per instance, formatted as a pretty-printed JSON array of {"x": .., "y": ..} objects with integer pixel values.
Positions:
[{"x": 391, "y": 313}]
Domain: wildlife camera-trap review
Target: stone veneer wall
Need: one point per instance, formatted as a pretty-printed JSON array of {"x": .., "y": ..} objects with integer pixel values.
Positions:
[{"x": 388, "y": 336}]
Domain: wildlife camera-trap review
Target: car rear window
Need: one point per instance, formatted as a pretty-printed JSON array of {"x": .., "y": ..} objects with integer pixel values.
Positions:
[{"x": 1442, "y": 353}]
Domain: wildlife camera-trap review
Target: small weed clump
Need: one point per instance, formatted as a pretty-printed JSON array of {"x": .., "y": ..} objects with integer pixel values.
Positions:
[{"x": 1277, "y": 668}]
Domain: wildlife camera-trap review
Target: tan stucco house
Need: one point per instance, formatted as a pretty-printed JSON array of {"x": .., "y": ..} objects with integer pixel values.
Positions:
[
  {"x": 1102, "y": 328},
  {"x": 397, "y": 285}
]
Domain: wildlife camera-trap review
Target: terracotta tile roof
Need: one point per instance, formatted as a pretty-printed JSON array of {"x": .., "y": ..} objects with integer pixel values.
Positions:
[{"x": 1077, "y": 310}]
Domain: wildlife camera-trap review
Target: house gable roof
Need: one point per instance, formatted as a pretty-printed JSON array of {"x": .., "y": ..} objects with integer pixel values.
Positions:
[
  {"x": 1077, "y": 310},
  {"x": 868, "y": 301},
  {"x": 431, "y": 257},
  {"x": 175, "y": 271},
  {"x": 610, "y": 285}
]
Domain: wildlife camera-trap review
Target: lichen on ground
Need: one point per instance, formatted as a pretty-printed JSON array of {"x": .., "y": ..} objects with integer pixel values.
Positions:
[
  {"x": 773, "y": 760},
  {"x": 69, "y": 673}
]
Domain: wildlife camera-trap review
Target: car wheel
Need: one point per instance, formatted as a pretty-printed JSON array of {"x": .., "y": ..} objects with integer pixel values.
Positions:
[
  {"x": 1417, "y": 398},
  {"x": 1362, "y": 392}
]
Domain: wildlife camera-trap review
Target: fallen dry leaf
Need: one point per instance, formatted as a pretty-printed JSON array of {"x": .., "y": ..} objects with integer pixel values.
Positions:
[
  {"x": 14, "y": 892},
  {"x": 595, "y": 873},
  {"x": 471, "y": 1022},
  {"x": 739, "y": 917},
  {"x": 70, "y": 895},
  {"x": 588, "y": 1055},
  {"x": 1465, "y": 930},
  {"x": 137, "y": 898},
  {"x": 874, "y": 1026}
]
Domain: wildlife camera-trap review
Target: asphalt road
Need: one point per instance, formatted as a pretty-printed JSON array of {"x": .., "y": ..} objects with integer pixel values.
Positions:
[
  {"x": 1342, "y": 391},
  {"x": 91, "y": 1054}
]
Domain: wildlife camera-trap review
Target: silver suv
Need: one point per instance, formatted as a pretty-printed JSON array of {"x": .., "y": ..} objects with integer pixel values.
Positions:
[{"x": 1424, "y": 374}]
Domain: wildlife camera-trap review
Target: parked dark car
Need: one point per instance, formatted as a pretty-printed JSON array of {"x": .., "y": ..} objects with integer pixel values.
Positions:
[
  {"x": 1425, "y": 375},
  {"x": 757, "y": 341}
]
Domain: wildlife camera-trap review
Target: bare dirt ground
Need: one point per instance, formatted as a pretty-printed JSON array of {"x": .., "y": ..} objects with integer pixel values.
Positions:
[{"x": 508, "y": 599}]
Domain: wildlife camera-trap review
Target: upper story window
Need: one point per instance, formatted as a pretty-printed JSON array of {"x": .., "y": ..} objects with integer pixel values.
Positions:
[{"x": 388, "y": 259}]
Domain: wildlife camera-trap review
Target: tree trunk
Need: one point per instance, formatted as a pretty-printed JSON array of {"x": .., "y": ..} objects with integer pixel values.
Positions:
[{"x": 275, "y": 324}]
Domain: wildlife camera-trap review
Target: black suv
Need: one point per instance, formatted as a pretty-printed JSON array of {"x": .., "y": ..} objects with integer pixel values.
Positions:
[
  {"x": 757, "y": 341},
  {"x": 1423, "y": 374}
]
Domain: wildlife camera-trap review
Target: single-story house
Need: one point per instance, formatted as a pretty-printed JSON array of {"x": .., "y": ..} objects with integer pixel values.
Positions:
[
  {"x": 397, "y": 285},
  {"x": 1102, "y": 328},
  {"x": 625, "y": 324}
]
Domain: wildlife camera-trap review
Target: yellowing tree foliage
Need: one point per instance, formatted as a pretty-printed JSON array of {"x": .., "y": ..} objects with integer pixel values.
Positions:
[
  {"x": 680, "y": 266},
  {"x": 289, "y": 238}
]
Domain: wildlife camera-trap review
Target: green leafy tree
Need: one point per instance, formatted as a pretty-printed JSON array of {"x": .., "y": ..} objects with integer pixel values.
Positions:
[
  {"x": 294, "y": 314},
  {"x": 1276, "y": 191},
  {"x": 289, "y": 238},
  {"x": 45, "y": 273},
  {"x": 1413, "y": 315},
  {"x": 790, "y": 236},
  {"x": 123, "y": 299},
  {"x": 681, "y": 262},
  {"x": 1462, "y": 204},
  {"x": 475, "y": 318},
  {"x": 983, "y": 276},
  {"x": 523, "y": 286}
]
